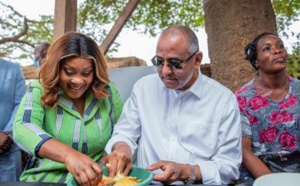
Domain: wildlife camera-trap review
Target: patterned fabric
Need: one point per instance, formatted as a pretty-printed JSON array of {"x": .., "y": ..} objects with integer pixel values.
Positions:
[
  {"x": 273, "y": 126},
  {"x": 89, "y": 134}
]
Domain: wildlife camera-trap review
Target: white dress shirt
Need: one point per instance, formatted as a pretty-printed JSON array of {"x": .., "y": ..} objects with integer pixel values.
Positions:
[{"x": 198, "y": 126}]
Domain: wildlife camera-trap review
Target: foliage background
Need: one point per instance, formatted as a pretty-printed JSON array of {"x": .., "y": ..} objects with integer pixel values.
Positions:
[{"x": 94, "y": 17}]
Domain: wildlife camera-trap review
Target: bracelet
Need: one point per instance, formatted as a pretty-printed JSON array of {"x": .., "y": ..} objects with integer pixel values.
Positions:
[{"x": 192, "y": 177}]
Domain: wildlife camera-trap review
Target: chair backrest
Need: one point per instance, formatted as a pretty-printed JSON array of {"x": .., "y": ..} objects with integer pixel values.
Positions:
[
  {"x": 125, "y": 77},
  {"x": 278, "y": 179}
]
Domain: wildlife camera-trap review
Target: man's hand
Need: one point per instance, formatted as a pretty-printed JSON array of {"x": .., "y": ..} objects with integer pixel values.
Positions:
[
  {"x": 172, "y": 171},
  {"x": 5, "y": 141},
  {"x": 120, "y": 159}
]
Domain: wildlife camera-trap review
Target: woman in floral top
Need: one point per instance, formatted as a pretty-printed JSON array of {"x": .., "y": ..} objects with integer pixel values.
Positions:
[{"x": 269, "y": 106}]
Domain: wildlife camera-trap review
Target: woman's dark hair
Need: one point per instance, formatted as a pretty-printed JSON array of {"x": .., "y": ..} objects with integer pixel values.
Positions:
[{"x": 250, "y": 49}]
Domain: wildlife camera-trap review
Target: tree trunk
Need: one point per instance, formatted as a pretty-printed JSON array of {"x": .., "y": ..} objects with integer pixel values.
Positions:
[
  {"x": 230, "y": 25},
  {"x": 65, "y": 17}
]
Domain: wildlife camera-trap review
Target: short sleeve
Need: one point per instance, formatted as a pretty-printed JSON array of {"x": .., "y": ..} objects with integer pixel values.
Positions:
[{"x": 246, "y": 128}]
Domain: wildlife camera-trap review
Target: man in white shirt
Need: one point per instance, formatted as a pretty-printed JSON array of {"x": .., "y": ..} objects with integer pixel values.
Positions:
[{"x": 181, "y": 124}]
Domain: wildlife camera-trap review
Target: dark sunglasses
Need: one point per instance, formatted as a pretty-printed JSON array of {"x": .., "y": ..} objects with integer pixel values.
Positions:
[{"x": 174, "y": 63}]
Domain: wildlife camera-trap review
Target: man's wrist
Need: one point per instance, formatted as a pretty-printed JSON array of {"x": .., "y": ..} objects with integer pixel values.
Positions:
[
  {"x": 192, "y": 177},
  {"x": 119, "y": 144}
]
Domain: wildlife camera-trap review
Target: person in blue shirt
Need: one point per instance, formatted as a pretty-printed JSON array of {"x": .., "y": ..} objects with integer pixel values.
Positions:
[{"x": 12, "y": 89}]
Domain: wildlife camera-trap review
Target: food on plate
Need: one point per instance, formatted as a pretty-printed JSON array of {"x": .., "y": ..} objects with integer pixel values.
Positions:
[
  {"x": 120, "y": 180},
  {"x": 106, "y": 180}
]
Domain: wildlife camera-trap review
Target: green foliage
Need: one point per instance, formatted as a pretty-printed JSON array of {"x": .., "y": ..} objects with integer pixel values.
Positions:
[
  {"x": 287, "y": 12},
  {"x": 149, "y": 17},
  {"x": 96, "y": 17},
  {"x": 155, "y": 15},
  {"x": 12, "y": 24},
  {"x": 293, "y": 62}
]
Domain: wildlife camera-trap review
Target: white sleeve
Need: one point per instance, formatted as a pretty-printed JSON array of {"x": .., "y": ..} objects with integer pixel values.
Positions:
[
  {"x": 128, "y": 127},
  {"x": 224, "y": 165}
]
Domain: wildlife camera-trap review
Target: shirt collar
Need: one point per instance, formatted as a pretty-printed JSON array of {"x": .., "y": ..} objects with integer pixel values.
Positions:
[{"x": 196, "y": 88}]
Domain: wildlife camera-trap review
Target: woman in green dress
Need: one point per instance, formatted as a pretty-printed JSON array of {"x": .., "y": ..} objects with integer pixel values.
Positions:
[{"x": 67, "y": 116}]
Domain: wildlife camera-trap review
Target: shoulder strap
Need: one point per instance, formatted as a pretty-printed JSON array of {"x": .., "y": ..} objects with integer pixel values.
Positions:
[{"x": 111, "y": 112}]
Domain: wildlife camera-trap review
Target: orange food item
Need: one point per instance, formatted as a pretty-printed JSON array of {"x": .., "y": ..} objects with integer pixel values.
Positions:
[{"x": 106, "y": 180}]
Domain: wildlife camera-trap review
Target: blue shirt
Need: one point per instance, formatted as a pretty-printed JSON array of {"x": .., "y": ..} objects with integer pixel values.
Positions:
[{"x": 12, "y": 89}]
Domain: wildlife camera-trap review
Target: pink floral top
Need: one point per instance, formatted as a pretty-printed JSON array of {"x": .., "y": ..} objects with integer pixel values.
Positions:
[{"x": 273, "y": 126}]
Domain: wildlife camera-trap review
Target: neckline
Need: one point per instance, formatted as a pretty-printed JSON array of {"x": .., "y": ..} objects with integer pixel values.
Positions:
[{"x": 272, "y": 100}]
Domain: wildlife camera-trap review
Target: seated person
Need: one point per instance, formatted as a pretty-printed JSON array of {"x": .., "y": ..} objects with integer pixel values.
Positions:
[
  {"x": 269, "y": 106},
  {"x": 64, "y": 120},
  {"x": 183, "y": 125},
  {"x": 40, "y": 52}
]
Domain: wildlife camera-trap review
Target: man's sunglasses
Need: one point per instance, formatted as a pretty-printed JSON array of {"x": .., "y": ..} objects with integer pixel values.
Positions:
[{"x": 174, "y": 63}]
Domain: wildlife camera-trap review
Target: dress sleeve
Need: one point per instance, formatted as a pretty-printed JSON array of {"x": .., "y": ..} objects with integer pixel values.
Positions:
[
  {"x": 246, "y": 129},
  {"x": 242, "y": 102},
  {"x": 28, "y": 127}
]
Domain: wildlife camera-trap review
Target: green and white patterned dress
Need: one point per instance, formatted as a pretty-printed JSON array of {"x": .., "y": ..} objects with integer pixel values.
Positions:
[{"x": 35, "y": 124}]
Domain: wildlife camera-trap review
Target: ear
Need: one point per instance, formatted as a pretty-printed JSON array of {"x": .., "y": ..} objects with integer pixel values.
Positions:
[
  {"x": 198, "y": 59},
  {"x": 256, "y": 64}
]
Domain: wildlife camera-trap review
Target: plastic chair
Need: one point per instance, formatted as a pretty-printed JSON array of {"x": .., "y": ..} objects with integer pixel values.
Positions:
[
  {"x": 278, "y": 179},
  {"x": 125, "y": 77}
]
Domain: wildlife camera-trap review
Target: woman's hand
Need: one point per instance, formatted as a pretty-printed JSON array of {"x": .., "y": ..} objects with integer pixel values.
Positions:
[
  {"x": 172, "y": 171},
  {"x": 83, "y": 168},
  {"x": 120, "y": 159}
]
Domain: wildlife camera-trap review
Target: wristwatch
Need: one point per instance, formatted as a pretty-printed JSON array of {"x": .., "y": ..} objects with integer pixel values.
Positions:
[{"x": 192, "y": 178}]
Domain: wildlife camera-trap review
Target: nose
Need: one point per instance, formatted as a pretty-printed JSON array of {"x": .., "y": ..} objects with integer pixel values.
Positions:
[
  {"x": 166, "y": 69},
  {"x": 277, "y": 50},
  {"x": 76, "y": 80}
]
